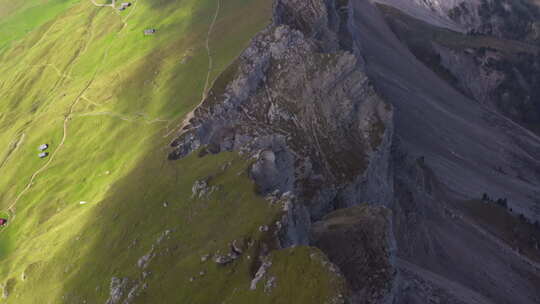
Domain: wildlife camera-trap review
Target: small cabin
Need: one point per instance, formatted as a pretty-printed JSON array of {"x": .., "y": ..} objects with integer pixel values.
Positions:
[
  {"x": 3, "y": 221},
  {"x": 124, "y": 5},
  {"x": 149, "y": 31},
  {"x": 43, "y": 154},
  {"x": 43, "y": 147}
]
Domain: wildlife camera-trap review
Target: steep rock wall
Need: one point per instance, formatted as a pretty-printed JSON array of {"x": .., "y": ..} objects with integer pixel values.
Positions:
[{"x": 299, "y": 103}]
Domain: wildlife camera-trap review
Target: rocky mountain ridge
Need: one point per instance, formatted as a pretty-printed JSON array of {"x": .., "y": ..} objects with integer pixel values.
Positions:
[
  {"x": 334, "y": 108},
  {"x": 344, "y": 151}
]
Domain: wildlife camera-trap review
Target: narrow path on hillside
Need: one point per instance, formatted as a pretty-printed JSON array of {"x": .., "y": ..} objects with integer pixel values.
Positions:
[
  {"x": 142, "y": 117},
  {"x": 208, "y": 51},
  {"x": 113, "y": 4},
  {"x": 53, "y": 155},
  {"x": 67, "y": 118},
  {"x": 52, "y": 66},
  {"x": 124, "y": 21},
  {"x": 189, "y": 116}
]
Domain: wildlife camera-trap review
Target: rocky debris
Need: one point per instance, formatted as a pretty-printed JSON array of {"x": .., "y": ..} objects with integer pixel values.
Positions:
[
  {"x": 272, "y": 199},
  {"x": 287, "y": 196},
  {"x": 360, "y": 242},
  {"x": 235, "y": 252},
  {"x": 233, "y": 255},
  {"x": 145, "y": 274},
  {"x": 293, "y": 228},
  {"x": 205, "y": 258},
  {"x": 286, "y": 205},
  {"x": 198, "y": 189},
  {"x": 263, "y": 228},
  {"x": 226, "y": 166},
  {"x": 202, "y": 273},
  {"x": 163, "y": 235},
  {"x": 223, "y": 259},
  {"x": 165, "y": 204},
  {"x": 192, "y": 279},
  {"x": 261, "y": 272},
  {"x": 202, "y": 189},
  {"x": 118, "y": 289},
  {"x": 277, "y": 197},
  {"x": 133, "y": 293},
  {"x": 236, "y": 247},
  {"x": 133, "y": 243},
  {"x": 270, "y": 284},
  {"x": 144, "y": 261},
  {"x": 339, "y": 299}
]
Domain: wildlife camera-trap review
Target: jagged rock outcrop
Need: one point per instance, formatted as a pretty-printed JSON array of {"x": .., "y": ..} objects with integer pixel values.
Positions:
[
  {"x": 360, "y": 241},
  {"x": 305, "y": 101},
  {"x": 118, "y": 289},
  {"x": 299, "y": 102}
]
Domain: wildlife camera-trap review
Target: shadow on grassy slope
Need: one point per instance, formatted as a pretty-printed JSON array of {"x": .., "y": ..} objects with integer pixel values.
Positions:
[{"x": 57, "y": 247}]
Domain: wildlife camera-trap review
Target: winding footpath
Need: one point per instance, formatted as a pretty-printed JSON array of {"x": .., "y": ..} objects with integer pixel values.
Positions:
[
  {"x": 190, "y": 115},
  {"x": 113, "y": 4},
  {"x": 53, "y": 155},
  {"x": 68, "y": 116}
]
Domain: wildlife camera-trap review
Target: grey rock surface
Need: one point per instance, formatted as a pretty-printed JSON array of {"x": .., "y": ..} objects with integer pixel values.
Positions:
[
  {"x": 336, "y": 111},
  {"x": 118, "y": 289},
  {"x": 299, "y": 102},
  {"x": 360, "y": 241}
]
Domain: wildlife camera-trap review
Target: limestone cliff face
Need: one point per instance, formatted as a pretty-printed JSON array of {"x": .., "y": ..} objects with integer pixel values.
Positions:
[
  {"x": 336, "y": 111},
  {"x": 299, "y": 102}
]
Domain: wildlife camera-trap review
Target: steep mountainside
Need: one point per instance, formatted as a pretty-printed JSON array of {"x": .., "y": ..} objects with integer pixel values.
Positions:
[{"x": 242, "y": 151}]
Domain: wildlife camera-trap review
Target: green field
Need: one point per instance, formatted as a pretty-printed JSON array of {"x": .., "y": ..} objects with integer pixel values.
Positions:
[{"x": 105, "y": 97}]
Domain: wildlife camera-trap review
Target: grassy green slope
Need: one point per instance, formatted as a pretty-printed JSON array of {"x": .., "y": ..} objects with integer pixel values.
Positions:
[
  {"x": 104, "y": 96},
  {"x": 18, "y": 18}
]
